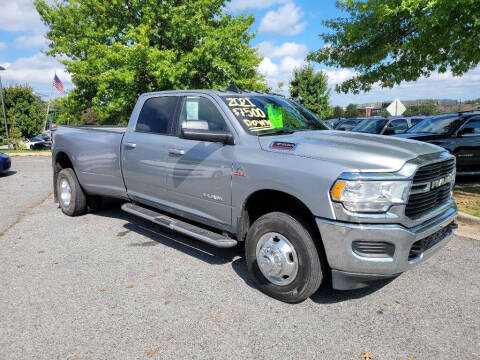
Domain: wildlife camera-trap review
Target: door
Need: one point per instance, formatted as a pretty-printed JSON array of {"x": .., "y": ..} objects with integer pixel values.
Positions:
[
  {"x": 468, "y": 146},
  {"x": 199, "y": 173},
  {"x": 144, "y": 150}
]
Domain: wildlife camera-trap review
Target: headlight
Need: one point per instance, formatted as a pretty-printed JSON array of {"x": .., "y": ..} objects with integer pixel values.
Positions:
[{"x": 370, "y": 196}]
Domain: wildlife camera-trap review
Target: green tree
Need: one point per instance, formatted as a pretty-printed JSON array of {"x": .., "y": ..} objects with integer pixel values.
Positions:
[
  {"x": 25, "y": 114},
  {"x": 390, "y": 41},
  {"x": 385, "y": 113},
  {"x": 428, "y": 109},
  {"x": 338, "y": 112},
  {"x": 116, "y": 50},
  {"x": 310, "y": 88},
  {"x": 351, "y": 111}
]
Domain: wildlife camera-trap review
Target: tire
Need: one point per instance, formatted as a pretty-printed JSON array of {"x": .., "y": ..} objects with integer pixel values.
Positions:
[
  {"x": 77, "y": 204},
  {"x": 299, "y": 285}
]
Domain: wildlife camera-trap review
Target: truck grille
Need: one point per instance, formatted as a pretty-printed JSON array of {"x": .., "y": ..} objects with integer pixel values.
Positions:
[{"x": 421, "y": 202}]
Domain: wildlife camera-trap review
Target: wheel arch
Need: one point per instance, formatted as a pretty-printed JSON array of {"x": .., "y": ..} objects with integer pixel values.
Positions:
[{"x": 264, "y": 201}]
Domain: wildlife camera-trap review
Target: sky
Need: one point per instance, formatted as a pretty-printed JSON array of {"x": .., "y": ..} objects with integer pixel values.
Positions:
[{"x": 286, "y": 31}]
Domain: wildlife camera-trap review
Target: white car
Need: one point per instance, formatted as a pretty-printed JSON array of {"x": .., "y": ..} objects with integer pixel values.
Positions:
[{"x": 38, "y": 142}]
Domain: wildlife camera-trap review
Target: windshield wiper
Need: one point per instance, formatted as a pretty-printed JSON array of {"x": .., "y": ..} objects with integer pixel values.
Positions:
[{"x": 277, "y": 132}]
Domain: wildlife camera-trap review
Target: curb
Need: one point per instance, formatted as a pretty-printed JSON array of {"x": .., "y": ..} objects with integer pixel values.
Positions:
[
  {"x": 45, "y": 154},
  {"x": 468, "y": 219}
]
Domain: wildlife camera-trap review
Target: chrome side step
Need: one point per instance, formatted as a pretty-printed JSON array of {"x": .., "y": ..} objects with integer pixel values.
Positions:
[{"x": 185, "y": 228}]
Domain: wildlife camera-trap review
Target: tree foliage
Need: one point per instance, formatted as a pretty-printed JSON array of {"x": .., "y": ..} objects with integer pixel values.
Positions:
[
  {"x": 116, "y": 50},
  {"x": 390, "y": 41},
  {"x": 428, "y": 108},
  {"x": 352, "y": 111},
  {"x": 310, "y": 88},
  {"x": 338, "y": 112},
  {"x": 25, "y": 114}
]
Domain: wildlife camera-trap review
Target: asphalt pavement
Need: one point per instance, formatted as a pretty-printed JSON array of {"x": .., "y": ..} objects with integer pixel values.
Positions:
[{"x": 112, "y": 286}]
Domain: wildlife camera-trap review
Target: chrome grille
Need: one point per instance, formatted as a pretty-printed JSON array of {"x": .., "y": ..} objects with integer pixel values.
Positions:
[{"x": 422, "y": 197}]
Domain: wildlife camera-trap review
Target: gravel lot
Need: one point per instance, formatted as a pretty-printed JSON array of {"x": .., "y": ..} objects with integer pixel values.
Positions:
[{"x": 112, "y": 286}]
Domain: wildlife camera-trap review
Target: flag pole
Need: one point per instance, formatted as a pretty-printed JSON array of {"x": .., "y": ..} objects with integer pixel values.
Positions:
[{"x": 48, "y": 106}]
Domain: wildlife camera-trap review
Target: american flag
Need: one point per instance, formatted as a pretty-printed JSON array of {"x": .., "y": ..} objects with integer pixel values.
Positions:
[{"x": 58, "y": 84}]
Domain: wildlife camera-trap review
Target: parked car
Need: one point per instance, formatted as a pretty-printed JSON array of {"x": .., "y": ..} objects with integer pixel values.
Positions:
[
  {"x": 227, "y": 166},
  {"x": 383, "y": 126},
  {"x": 347, "y": 124},
  {"x": 331, "y": 122},
  {"x": 39, "y": 142},
  {"x": 458, "y": 133},
  {"x": 5, "y": 162},
  {"x": 414, "y": 120}
]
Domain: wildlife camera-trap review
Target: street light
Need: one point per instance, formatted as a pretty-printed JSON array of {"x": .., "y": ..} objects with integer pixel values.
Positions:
[{"x": 3, "y": 108}]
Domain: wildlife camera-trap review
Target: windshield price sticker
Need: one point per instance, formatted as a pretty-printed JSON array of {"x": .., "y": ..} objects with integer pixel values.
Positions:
[{"x": 251, "y": 115}]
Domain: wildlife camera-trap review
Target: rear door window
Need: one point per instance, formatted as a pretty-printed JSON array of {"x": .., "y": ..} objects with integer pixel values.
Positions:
[{"x": 157, "y": 115}]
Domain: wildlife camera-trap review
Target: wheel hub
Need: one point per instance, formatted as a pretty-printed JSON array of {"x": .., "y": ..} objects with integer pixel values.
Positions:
[
  {"x": 277, "y": 258},
  {"x": 65, "y": 192}
]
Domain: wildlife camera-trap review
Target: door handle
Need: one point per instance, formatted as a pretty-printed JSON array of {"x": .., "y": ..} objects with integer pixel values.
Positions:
[
  {"x": 176, "y": 151},
  {"x": 130, "y": 145}
]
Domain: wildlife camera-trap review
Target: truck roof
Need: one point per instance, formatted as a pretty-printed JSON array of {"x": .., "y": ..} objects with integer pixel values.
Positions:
[{"x": 216, "y": 92}]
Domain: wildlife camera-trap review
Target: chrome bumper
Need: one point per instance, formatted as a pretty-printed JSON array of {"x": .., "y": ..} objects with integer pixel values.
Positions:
[{"x": 338, "y": 238}]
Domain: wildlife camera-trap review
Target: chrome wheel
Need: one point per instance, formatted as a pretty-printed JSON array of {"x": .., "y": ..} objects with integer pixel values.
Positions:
[
  {"x": 277, "y": 259},
  {"x": 65, "y": 192}
]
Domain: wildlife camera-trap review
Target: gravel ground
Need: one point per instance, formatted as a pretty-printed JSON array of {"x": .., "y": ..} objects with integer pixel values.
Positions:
[{"x": 112, "y": 286}]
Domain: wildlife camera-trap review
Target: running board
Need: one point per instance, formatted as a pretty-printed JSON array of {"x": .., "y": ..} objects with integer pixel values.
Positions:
[{"x": 185, "y": 228}]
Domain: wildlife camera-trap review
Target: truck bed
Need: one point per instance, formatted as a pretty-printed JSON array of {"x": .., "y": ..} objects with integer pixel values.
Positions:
[
  {"x": 96, "y": 153},
  {"x": 109, "y": 128}
]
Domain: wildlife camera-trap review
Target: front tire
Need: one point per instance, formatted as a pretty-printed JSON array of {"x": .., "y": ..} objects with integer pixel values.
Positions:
[
  {"x": 282, "y": 257},
  {"x": 70, "y": 194}
]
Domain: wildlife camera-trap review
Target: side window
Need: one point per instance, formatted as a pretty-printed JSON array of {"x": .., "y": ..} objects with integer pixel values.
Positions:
[
  {"x": 347, "y": 125},
  {"x": 415, "y": 121},
  {"x": 472, "y": 127},
  {"x": 157, "y": 114},
  {"x": 399, "y": 126},
  {"x": 200, "y": 113}
]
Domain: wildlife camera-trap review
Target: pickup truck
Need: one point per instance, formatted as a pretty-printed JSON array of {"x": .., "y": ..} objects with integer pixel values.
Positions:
[
  {"x": 458, "y": 133},
  {"x": 309, "y": 204}
]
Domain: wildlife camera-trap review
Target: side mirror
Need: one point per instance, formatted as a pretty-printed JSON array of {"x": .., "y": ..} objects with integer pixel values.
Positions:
[
  {"x": 466, "y": 131},
  {"x": 206, "y": 135},
  {"x": 389, "y": 131}
]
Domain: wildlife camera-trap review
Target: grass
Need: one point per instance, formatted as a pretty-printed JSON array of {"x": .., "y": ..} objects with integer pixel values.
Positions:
[
  {"x": 467, "y": 197},
  {"x": 11, "y": 151}
]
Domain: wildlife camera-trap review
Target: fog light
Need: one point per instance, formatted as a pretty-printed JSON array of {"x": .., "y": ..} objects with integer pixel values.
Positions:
[{"x": 374, "y": 249}]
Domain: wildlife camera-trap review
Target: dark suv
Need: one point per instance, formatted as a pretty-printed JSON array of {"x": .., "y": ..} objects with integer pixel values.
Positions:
[{"x": 458, "y": 133}]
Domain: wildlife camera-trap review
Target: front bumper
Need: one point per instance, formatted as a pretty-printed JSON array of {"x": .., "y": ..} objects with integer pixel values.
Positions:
[{"x": 338, "y": 238}]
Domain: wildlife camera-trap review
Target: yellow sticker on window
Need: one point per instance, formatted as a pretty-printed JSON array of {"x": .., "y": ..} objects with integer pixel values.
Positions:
[{"x": 247, "y": 112}]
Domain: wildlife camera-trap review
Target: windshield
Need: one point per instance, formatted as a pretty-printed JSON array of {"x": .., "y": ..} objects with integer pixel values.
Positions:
[
  {"x": 264, "y": 114},
  {"x": 370, "y": 126},
  {"x": 438, "y": 125}
]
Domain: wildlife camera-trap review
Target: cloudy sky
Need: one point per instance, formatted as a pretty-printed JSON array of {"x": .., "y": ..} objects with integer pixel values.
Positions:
[{"x": 286, "y": 31}]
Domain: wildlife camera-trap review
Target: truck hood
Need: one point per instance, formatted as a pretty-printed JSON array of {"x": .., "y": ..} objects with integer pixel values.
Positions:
[
  {"x": 421, "y": 136},
  {"x": 358, "y": 152}
]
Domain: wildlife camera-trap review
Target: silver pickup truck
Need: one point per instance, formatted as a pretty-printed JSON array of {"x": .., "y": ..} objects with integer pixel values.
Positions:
[{"x": 309, "y": 203}]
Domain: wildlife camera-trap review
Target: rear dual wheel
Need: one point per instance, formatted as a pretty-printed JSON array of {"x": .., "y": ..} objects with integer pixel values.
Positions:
[
  {"x": 73, "y": 200},
  {"x": 282, "y": 257}
]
